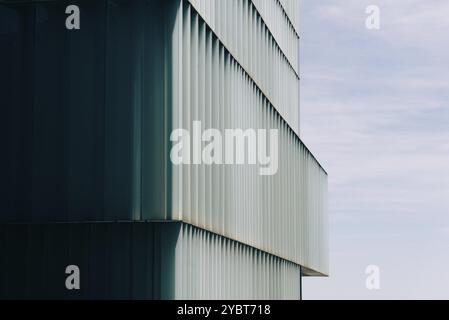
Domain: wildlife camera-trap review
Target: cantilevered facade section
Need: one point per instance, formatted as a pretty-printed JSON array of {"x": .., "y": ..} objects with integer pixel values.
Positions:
[
  {"x": 89, "y": 181},
  {"x": 229, "y": 71}
]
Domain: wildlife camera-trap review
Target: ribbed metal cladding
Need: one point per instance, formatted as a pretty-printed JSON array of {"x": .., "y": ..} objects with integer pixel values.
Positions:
[
  {"x": 284, "y": 214},
  {"x": 291, "y": 8},
  {"x": 243, "y": 272},
  {"x": 264, "y": 44},
  {"x": 281, "y": 20}
]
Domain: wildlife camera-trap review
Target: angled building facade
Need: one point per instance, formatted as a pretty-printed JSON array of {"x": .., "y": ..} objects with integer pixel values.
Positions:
[{"x": 89, "y": 181}]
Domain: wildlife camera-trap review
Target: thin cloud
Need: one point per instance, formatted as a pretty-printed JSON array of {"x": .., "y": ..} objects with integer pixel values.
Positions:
[{"x": 375, "y": 110}]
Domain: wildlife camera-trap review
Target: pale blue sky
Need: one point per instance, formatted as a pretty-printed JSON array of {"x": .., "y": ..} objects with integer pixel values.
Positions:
[{"x": 375, "y": 111}]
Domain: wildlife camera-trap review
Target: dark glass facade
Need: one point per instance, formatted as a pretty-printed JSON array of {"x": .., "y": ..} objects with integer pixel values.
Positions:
[
  {"x": 82, "y": 111},
  {"x": 116, "y": 260}
]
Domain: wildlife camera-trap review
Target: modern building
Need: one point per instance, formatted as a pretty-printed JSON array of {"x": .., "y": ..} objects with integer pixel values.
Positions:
[{"x": 87, "y": 117}]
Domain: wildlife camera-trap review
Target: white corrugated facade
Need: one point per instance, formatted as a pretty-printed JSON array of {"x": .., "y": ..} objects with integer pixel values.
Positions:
[
  {"x": 235, "y": 66},
  {"x": 260, "y": 37},
  {"x": 209, "y": 266}
]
